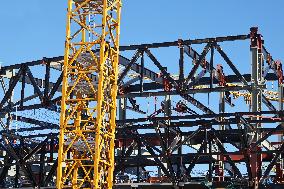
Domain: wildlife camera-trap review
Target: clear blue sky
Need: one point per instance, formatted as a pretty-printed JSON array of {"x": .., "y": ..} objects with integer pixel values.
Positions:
[{"x": 34, "y": 29}]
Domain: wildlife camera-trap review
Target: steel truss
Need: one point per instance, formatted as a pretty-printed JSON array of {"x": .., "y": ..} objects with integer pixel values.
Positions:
[
  {"x": 158, "y": 137},
  {"x": 88, "y": 104}
]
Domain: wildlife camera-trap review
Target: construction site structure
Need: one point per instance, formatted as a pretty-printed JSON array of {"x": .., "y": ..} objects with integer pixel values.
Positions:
[{"x": 203, "y": 120}]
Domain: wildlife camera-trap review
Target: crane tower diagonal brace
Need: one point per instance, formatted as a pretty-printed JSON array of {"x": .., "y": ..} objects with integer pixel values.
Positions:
[{"x": 88, "y": 106}]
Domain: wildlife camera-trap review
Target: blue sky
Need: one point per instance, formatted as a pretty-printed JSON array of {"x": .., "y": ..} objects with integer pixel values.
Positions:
[{"x": 34, "y": 29}]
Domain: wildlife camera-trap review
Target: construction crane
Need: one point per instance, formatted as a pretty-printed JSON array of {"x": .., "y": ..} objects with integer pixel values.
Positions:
[{"x": 88, "y": 105}]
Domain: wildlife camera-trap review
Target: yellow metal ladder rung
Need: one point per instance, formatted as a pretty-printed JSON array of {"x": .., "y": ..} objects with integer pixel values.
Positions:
[{"x": 105, "y": 162}]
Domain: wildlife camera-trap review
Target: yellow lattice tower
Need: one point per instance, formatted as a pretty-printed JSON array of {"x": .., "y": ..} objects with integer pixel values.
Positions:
[{"x": 88, "y": 107}]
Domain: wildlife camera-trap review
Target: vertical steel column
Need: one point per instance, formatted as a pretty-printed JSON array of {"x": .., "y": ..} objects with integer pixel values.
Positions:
[
  {"x": 180, "y": 164},
  {"x": 280, "y": 101},
  {"x": 17, "y": 176},
  {"x": 23, "y": 87},
  {"x": 210, "y": 161},
  {"x": 181, "y": 61},
  {"x": 220, "y": 158},
  {"x": 42, "y": 166},
  {"x": 256, "y": 95},
  {"x": 9, "y": 119},
  {"x": 280, "y": 163},
  {"x": 51, "y": 150},
  {"x": 46, "y": 80},
  {"x": 139, "y": 154},
  {"x": 167, "y": 113},
  {"x": 122, "y": 103},
  {"x": 142, "y": 73},
  {"x": 208, "y": 149},
  {"x": 256, "y": 73}
]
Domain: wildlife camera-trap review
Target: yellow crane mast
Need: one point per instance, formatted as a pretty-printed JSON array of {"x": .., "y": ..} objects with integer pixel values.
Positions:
[{"x": 88, "y": 106}]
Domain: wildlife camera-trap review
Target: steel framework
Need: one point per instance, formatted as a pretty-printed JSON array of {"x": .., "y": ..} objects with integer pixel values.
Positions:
[
  {"x": 163, "y": 123},
  {"x": 88, "y": 103}
]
